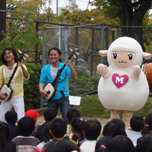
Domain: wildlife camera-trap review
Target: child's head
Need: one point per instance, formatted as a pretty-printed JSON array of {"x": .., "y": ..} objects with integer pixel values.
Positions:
[
  {"x": 121, "y": 143},
  {"x": 148, "y": 124},
  {"x": 46, "y": 135},
  {"x": 32, "y": 113},
  {"x": 137, "y": 123},
  {"x": 102, "y": 144},
  {"x": 26, "y": 125},
  {"x": 73, "y": 113},
  {"x": 58, "y": 127},
  {"x": 144, "y": 143},
  {"x": 11, "y": 117},
  {"x": 49, "y": 114},
  {"x": 63, "y": 145},
  {"x": 116, "y": 127},
  {"x": 77, "y": 125},
  {"x": 5, "y": 140},
  {"x": 92, "y": 128},
  {"x": 4, "y": 132}
]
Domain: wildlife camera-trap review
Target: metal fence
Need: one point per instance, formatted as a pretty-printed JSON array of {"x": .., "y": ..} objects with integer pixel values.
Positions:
[{"x": 90, "y": 39}]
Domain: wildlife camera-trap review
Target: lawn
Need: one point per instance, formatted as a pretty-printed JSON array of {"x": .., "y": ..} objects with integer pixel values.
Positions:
[{"x": 91, "y": 107}]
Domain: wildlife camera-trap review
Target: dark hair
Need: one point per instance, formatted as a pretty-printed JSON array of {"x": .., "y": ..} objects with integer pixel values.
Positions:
[
  {"x": 103, "y": 143},
  {"x": 144, "y": 143},
  {"x": 49, "y": 114},
  {"x": 137, "y": 123},
  {"x": 11, "y": 117},
  {"x": 58, "y": 50},
  {"x": 46, "y": 135},
  {"x": 63, "y": 145},
  {"x": 105, "y": 130},
  {"x": 5, "y": 141},
  {"x": 92, "y": 128},
  {"x": 58, "y": 127},
  {"x": 73, "y": 113},
  {"x": 116, "y": 127},
  {"x": 77, "y": 128},
  {"x": 11, "y": 50},
  {"x": 148, "y": 124},
  {"x": 26, "y": 125},
  {"x": 149, "y": 148},
  {"x": 121, "y": 143}
]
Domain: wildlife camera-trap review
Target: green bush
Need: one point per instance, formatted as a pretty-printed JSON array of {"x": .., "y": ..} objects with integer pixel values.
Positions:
[
  {"x": 83, "y": 84},
  {"x": 31, "y": 87}
]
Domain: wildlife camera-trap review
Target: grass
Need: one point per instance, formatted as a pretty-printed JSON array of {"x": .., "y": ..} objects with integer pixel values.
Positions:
[{"x": 90, "y": 106}]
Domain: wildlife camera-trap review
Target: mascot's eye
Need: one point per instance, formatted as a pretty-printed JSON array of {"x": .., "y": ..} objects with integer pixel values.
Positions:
[
  {"x": 130, "y": 56},
  {"x": 115, "y": 55}
]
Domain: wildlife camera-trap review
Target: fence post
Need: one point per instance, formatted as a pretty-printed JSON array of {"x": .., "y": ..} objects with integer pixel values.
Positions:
[
  {"x": 117, "y": 33},
  {"x": 102, "y": 41},
  {"x": 43, "y": 63},
  {"x": 36, "y": 46},
  {"x": 92, "y": 47},
  {"x": 66, "y": 43}
]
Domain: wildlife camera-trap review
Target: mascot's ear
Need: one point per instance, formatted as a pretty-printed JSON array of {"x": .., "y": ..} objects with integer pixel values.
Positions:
[
  {"x": 103, "y": 52},
  {"x": 146, "y": 55}
]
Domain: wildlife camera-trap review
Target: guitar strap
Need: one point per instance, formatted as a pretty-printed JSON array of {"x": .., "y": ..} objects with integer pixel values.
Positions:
[{"x": 55, "y": 85}]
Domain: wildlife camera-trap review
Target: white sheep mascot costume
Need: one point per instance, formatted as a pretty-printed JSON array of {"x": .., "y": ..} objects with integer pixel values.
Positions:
[{"x": 123, "y": 85}]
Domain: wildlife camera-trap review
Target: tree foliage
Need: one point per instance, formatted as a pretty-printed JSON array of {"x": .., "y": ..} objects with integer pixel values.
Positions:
[
  {"x": 130, "y": 13},
  {"x": 80, "y": 17}
]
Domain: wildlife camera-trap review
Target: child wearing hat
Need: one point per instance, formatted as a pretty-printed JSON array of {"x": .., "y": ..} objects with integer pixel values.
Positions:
[{"x": 34, "y": 115}]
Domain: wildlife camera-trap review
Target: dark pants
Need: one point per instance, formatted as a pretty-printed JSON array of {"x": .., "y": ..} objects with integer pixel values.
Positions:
[{"x": 63, "y": 103}]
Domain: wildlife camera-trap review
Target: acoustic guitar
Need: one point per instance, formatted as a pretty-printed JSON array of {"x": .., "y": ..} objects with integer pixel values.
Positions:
[
  {"x": 51, "y": 87},
  {"x": 6, "y": 88}
]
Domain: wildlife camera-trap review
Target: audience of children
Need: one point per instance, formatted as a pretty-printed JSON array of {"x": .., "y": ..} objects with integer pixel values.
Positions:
[
  {"x": 25, "y": 142},
  {"x": 77, "y": 136},
  {"x": 121, "y": 143},
  {"x": 64, "y": 145},
  {"x": 144, "y": 143},
  {"x": 34, "y": 115},
  {"x": 58, "y": 129},
  {"x": 136, "y": 124},
  {"x": 114, "y": 127},
  {"x": 92, "y": 129},
  {"x": 11, "y": 119},
  {"x": 102, "y": 144},
  {"x": 72, "y": 113},
  {"x": 49, "y": 115},
  {"x": 45, "y": 137},
  {"x": 83, "y": 136}
]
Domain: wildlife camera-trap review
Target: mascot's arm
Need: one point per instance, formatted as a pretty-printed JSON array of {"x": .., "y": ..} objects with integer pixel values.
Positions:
[
  {"x": 103, "y": 69},
  {"x": 136, "y": 71}
]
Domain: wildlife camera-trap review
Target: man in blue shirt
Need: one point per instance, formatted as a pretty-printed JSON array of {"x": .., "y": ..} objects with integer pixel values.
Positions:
[{"x": 49, "y": 73}]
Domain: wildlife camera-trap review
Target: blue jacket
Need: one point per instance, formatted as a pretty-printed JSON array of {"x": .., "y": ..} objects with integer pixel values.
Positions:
[{"x": 62, "y": 83}]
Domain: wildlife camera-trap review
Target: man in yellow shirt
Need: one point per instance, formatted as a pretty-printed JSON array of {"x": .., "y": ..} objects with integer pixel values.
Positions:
[{"x": 10, "y": 59}]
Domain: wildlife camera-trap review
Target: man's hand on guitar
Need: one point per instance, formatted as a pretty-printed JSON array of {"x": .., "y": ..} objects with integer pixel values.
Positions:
[
  {"x": 2, "y": 96},
  {"x": 20, "y": 64},
  {"x": 44, "y": 93},
  {"x": 68, "y": 63}
]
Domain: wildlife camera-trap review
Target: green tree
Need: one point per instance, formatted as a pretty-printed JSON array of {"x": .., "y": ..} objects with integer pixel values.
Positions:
[{"x": 129, "y": 12}]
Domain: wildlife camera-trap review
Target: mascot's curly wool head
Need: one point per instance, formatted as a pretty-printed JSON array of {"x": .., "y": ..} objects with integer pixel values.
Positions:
[{"x": 124, "y": 53}]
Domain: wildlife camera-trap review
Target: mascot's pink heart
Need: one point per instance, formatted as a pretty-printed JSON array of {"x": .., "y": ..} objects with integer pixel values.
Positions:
[{"x": 118, "y": 80}]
